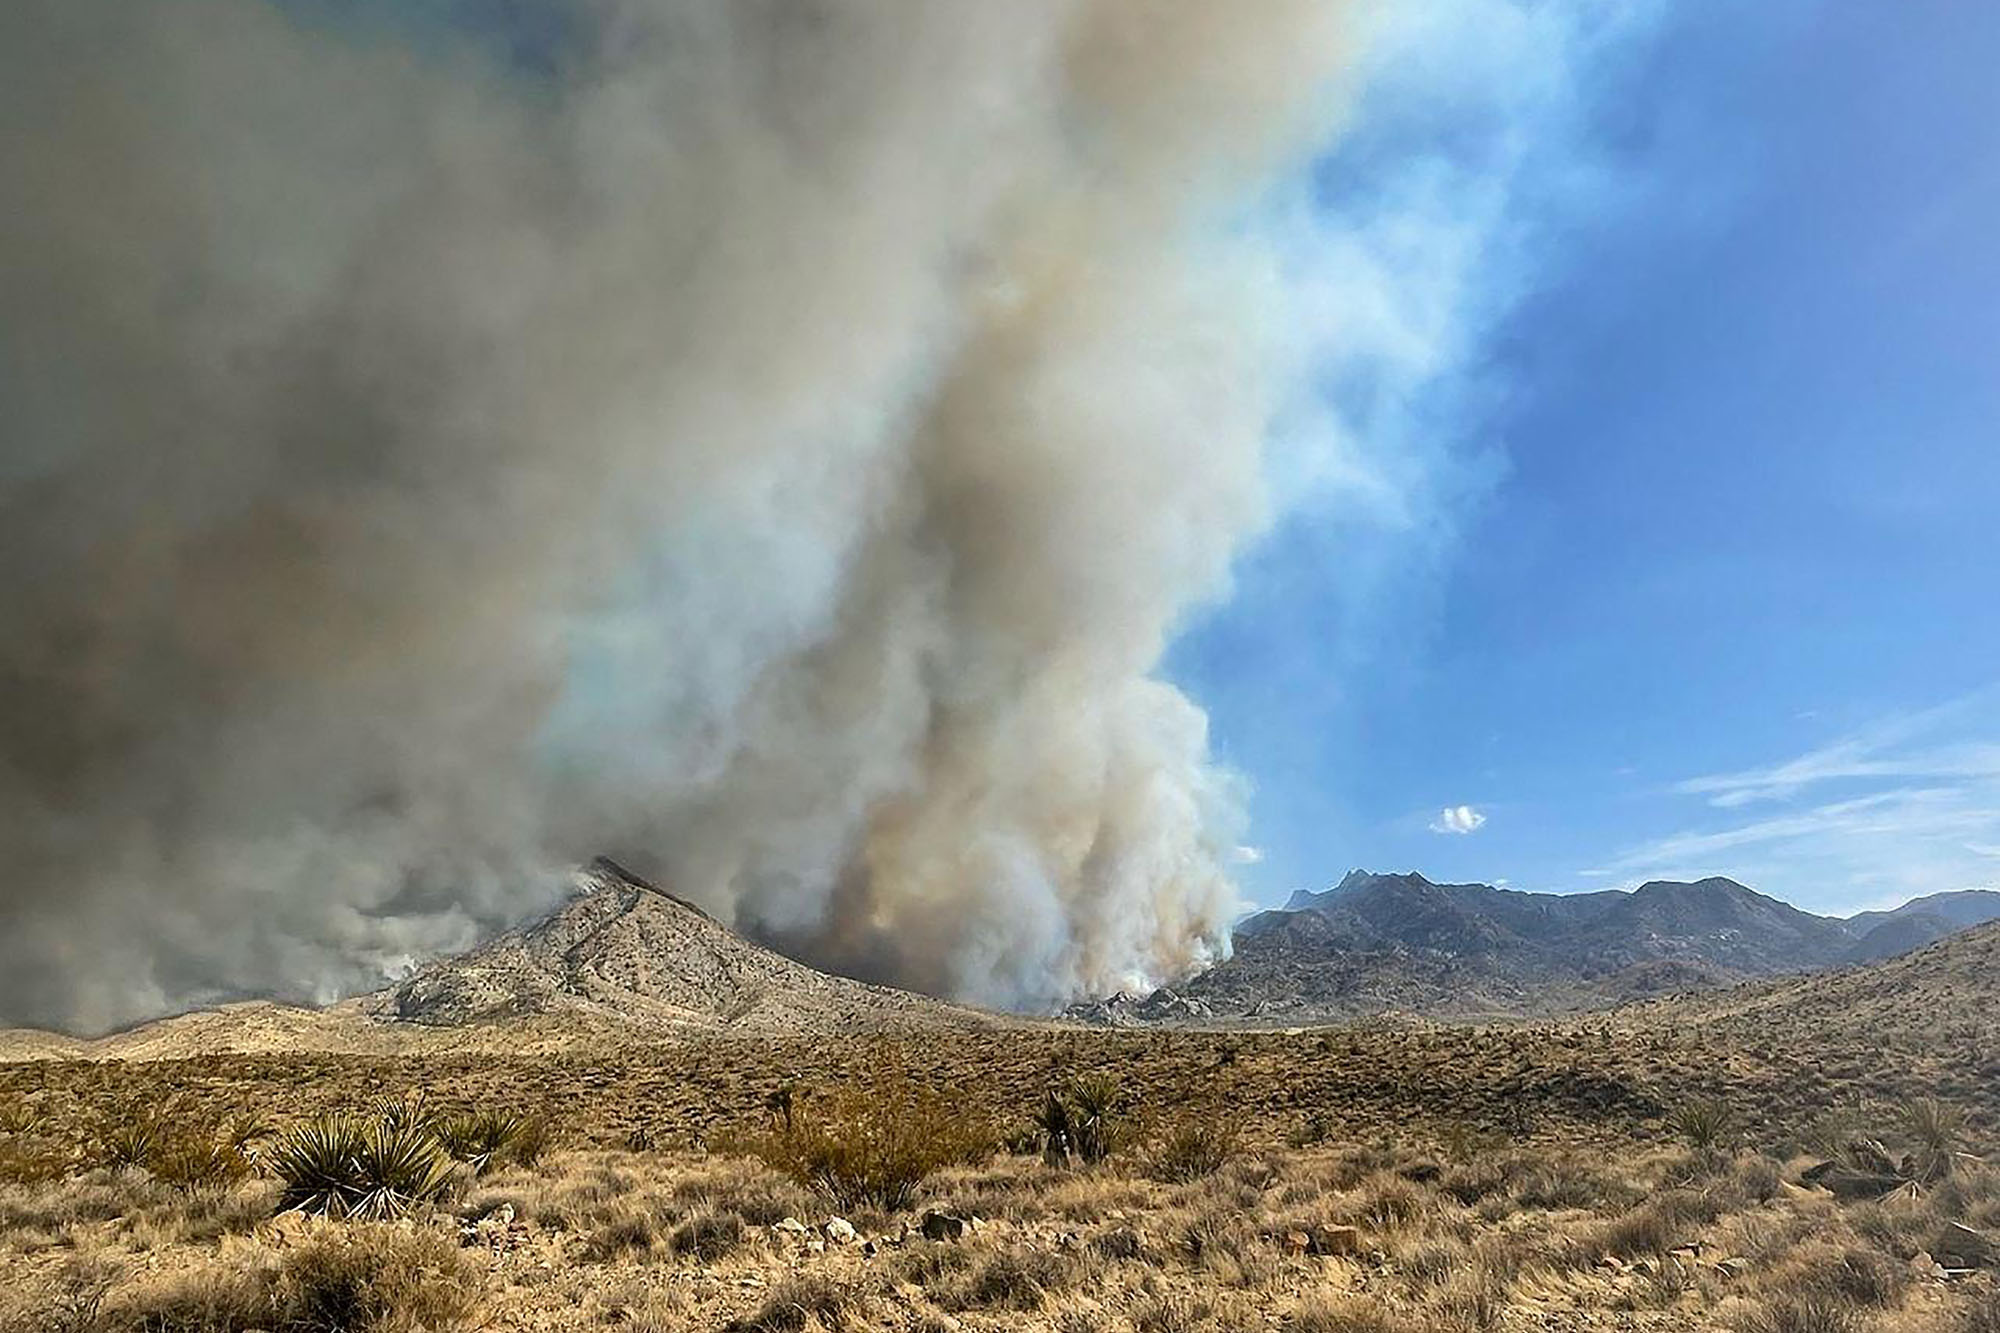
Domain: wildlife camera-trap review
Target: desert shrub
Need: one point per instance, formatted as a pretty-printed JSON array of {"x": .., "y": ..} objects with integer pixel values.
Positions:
[
  {"x": 707, "y": 1235},
  {"x": 1119, "y": 1244},
  {"x": 930, "y": 1265},
  {"x": 361, "y": 1279},
  {"x": 1756, "y": 1179},
  {"x": 1314, "y": 1128},
  {"x": 376, "y": 1277},
  {"x": 1804, "y": 1313},
  {"x": 1705, "y": 1125},
  {"x": 27, "y": 1161},
  {"x": 1184, "y": 1312},
  {"x": 625, "y": 1232},
  {"x": 1862, "y": 1277},
  {"x": 1472, "y": 1300},
  {"x": 1191, "y": 1149},
  {"x": 1009, "y": 1280},
  {"x": 870, "y": 1145},
  {"x": 1327, "y": 1313},
  {"x": 1385, "y": 1203},
  {"x": 1659, "y": 1226},
  {"x": 486, "y": 1139},
  {"x": 1229, "y": 1245},
  {"x": 192, "y": 1162},
  {"x": 126, "y": 1143},
  {"x": 343, "y": 1166},
  {"x": 795, "y": 1303},
  {"x": 212, "y": 1300},
  {"x": 175, "y": 1148},
  {"x": 1432, "y": 1261}
]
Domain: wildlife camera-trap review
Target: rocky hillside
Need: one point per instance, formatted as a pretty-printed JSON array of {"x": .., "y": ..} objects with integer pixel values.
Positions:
[
  {"x": 625, "y": 950},
  {"x": 617, "y": 961},
  {"x": 1384, "y": 944}
]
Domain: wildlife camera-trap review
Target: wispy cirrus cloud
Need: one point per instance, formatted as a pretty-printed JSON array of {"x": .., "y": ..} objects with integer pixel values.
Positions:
[
  {"x": 1909, "y": 804},
  {"x": 1903, "y": 747}
]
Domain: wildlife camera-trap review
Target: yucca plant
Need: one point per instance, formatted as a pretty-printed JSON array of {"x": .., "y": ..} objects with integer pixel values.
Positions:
[
  {"x": 1058, "y": 1135},
  {"x": 1094, "y": 1105},
  {"x": 482, "y": 1139},
  {"x": 128, "y": 1143},
  {"x": 343, "y": 1166},
  {"x": 1705, "y": 1124},
  {"x": 196, "y": 1161},
  {"x": 412, "y": 1112},
  {"x": 1080, "y": 1122},
  {"x": 17, "y": 1116},
  {"x": 1933, "y": 1128}
]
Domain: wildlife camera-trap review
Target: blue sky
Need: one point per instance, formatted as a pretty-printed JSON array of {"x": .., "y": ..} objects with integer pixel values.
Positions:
[{"x": 1670, "y": 548}]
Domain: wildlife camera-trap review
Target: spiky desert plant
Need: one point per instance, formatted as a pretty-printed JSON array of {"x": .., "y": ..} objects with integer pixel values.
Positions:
[
  {"x": 18, "y": 1116},
  {"x": 1095, "y": 1102},
  {"x": 409, "y": 1111},
  {"x": 1934, "y": 1129},
  {"x": 128, "y": 1142},
  {"x": 1057, "y": 1133},
  {"x": 1705, "y": 1124},
  {"x": 317, "y": 1163},
  {"x": 344, "y": 1166},
  {"x": 195, "y": 1161},
  {"x": 482, "y": 1139}
]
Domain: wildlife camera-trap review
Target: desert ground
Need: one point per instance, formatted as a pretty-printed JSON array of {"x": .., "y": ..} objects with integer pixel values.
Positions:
[{"x": 1732, "y": 1163}]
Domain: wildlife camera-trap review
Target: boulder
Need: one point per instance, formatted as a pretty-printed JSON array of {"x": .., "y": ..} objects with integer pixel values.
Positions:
[
  {"x": 1961, "y": 1246},
  {"x": 840, "y": 1231},
  {"x": 1336, "y": 1242},
  {"x": 944, "y": 1226}
]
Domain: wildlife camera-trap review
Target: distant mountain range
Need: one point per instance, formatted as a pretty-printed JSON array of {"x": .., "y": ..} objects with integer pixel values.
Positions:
[{"x": 1377, "y": 944}]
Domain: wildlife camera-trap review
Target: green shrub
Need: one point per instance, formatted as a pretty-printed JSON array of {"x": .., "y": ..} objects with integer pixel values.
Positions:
[{"x": 871, "y": 1145}]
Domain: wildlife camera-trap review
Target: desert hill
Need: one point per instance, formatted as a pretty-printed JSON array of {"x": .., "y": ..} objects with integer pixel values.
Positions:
[
  {"x": 1949, "y": 990},
  {"x": 618, "y": 961},
  {"x": 1377, "y": 944},
  {"x": 626, "y": 951}
]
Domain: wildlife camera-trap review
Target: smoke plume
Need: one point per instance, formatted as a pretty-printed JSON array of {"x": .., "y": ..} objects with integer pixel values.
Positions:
[{"x": 774, "y": 439}]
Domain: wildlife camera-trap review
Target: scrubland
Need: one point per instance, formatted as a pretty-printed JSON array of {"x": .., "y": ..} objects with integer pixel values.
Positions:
[{"x": 1343, "y": 1182}]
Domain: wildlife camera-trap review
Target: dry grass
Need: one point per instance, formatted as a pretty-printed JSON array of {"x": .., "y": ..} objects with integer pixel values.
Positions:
[
  {"x": 1459, "y": 1227},
  {"x": 871, "y": 1143}
]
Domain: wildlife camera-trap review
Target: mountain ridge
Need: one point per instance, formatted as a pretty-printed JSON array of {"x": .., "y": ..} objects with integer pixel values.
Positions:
[{"x": 1388, "y": 943}]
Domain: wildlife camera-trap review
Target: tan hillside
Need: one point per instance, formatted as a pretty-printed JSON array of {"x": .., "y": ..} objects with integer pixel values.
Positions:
[
  {"x": 626, "y": 952},
  {"x": 618, "y": 961}
]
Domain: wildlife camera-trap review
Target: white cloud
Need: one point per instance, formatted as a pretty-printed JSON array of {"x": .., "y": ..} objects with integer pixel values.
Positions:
[
  {"x": 1246, "y": 855},
  {"x": 1907, "y": 805},
  {"x": 1457, "y": 819}
]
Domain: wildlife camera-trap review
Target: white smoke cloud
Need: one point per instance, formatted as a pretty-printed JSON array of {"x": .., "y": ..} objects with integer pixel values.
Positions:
[
  {"x": 770, "y": 441},
  {"x": 780, "y": 441}
]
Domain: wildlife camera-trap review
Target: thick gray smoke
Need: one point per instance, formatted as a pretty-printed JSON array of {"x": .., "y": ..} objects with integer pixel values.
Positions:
[{"x": 776, "y": 438}]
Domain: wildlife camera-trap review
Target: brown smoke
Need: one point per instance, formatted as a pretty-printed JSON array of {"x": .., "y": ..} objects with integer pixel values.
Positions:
[{"x": 775, "y": 437}]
